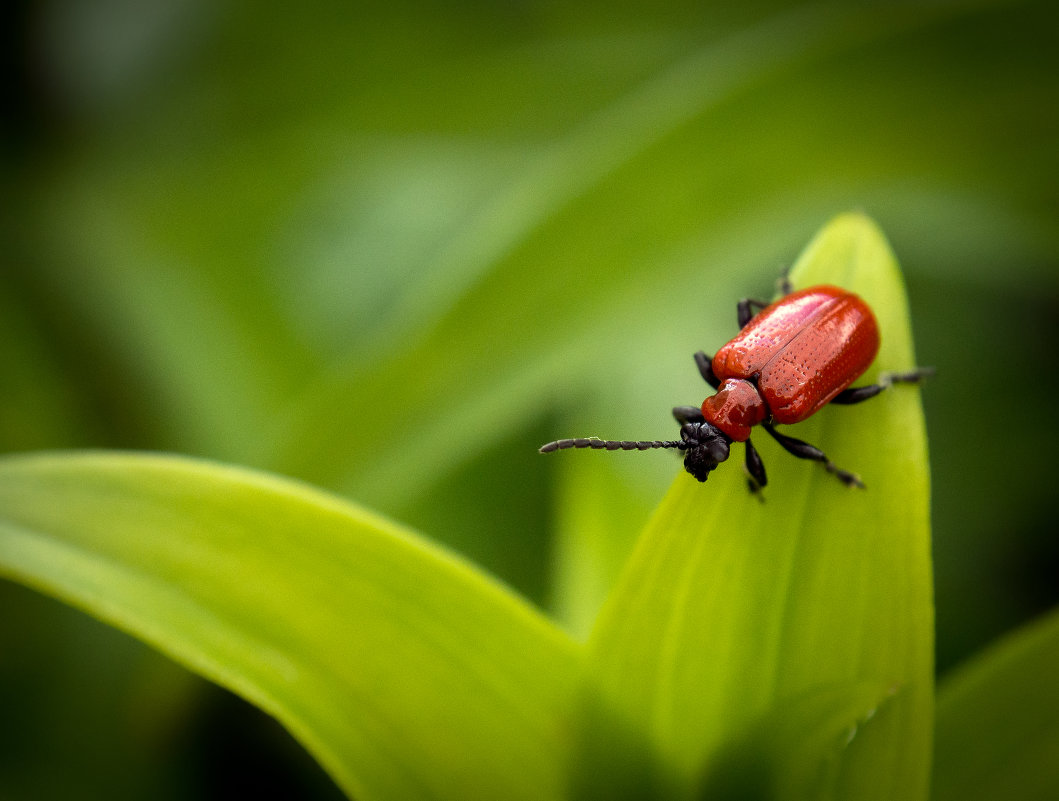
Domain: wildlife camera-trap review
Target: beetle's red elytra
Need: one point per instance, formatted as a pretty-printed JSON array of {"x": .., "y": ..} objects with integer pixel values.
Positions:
[{"x": 786, "y": 363}]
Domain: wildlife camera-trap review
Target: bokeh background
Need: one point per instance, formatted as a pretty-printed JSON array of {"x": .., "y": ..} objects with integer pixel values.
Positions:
[{"x": 390, "y": 250}]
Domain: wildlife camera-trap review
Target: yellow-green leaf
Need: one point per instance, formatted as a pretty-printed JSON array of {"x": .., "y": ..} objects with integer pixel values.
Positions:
[
  {"x": 406, "y": 672},
  {"x": 731, "y": 609}
]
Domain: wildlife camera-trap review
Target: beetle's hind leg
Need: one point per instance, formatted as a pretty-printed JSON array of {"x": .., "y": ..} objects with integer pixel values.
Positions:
[
  {"x": 886, "y": 380},
  {"x": 744, "y": 310},
  {"x": 783, "y": 283},
  {"x": 803, "y": 450}
]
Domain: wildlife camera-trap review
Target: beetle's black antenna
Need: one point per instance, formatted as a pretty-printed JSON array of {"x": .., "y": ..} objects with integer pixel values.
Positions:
[{"x": 612, "y": 444}]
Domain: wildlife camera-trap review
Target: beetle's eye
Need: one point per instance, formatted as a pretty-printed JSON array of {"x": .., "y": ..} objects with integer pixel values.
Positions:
[{"x": 717, "y": 448}]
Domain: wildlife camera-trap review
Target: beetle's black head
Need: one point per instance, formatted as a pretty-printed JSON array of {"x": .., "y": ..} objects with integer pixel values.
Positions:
[{"x": 705, "y": 446}]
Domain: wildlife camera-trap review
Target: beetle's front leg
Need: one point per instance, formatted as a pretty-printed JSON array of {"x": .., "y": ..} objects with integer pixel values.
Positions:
[
  {"x": 705, "y": 365},
  {"x": 688, "y": 414}
]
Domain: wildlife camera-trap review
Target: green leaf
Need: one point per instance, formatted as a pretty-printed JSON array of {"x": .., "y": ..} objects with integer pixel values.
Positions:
[
  {"x": 732, "y": 609},
  {"x": 794, "y": 751},
  {"x": 998, "y": 721},
  {"x": 407, "y": 673},
  {"x": 599, "y": 514}
]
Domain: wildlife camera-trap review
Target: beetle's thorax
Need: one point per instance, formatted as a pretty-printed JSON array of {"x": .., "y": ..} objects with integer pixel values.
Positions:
[{"x": 736, "y": 408}]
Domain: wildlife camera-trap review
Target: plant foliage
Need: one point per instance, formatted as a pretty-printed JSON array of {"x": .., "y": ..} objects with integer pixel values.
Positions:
[{"x": 759, "y": 650}]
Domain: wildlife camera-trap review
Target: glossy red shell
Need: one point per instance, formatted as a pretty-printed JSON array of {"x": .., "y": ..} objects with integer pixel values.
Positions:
[{"x": 801, "y": 351}]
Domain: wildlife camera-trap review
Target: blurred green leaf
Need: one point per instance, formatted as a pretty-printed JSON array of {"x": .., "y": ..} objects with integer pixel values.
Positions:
[
  {"x": 405, "y": 672},
  {"x": 352, "y": 247},
  {"x": 998, "y": 721},
  {"x": 731, "y": 609},
  {"x": 599, "y": 514},
  {"x": 622, "y": 204}
]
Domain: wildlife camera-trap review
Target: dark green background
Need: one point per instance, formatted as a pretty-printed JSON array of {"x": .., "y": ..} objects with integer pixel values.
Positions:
[{"x": 391, "y": 250}]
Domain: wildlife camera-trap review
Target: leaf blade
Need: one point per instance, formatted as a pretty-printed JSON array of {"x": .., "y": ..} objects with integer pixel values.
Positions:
[
  {"x": 730, "y": 607},
  {"x": 404, "y": 671}
]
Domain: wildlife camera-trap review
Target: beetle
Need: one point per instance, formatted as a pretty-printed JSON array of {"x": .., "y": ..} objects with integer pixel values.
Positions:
[{"x": 792, "y": 358}]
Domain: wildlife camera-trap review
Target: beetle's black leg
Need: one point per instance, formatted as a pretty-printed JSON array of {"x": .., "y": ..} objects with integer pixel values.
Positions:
[
  {"x": 803, "y": 450},
  {"x": 688, "y": 414},
  {"x": 745, "y": 312},
  {"x": 705, "y": 365},
  {"x": 858, "y": 394},
  {"x": 755, "y": 468},
  {"x": 784, "y": 284}
]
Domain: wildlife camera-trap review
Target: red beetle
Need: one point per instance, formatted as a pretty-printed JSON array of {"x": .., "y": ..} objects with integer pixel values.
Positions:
[{"x": 787, "y": 362}]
